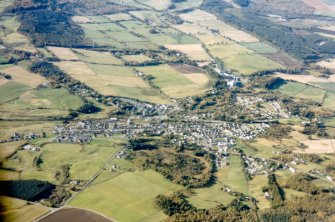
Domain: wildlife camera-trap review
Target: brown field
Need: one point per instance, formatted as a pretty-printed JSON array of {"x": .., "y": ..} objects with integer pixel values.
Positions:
[
  {"x": 81, "y": 19},
  {"x": 75, "y": 215},
  {"x": 21, "y": 75},
  {"x": 284, "y": 59},
  {"x": 305, "y": 78},
  {"x": 318, "y": 5},
  {"x": 318, "y": 146},
  {"x": 194, "y": 51},
  {"x": 329, "y": 64},
  {"x": 63, "y": 53},
  {"x": 187, "y": 69}
]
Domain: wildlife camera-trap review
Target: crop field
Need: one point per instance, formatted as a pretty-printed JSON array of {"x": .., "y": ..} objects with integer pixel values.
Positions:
[
  {"x": 158, "y": 5},
  {"x": 241, "y": 59},
  {"x": 136, "y": 58},
  {"x": 329, "y": 64},
  {"x": 308, "y": 79},
  {"x": 198, "y": 16},
  {"x": 127, "y": 197},
  {"x": 84, "y": 160},
  {"x": 148, "y": 15},
  {"x": 22, "y": 76},
  {"x": 75, "y": 215},
  {"x": 12, "y": 37},
  {"x": 90, "y": 56},
  {"x": 303, "y": 91},
  {"x": 260, "y": 47},
  {"x": 209, "y": 197},
  {"x": 213, "y": 39},
  {"x": 63, "y": 53},
  {"x": 193, "y": 51},
  {"x": 19, "y": 210},
  {"x": 173, "y": 83},
  {"x": 118, "y": 17}
]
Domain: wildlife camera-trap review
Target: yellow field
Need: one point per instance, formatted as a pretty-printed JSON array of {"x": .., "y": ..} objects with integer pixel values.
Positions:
[
  {"x": 329, "y": 64},
  {"x": 81, "y": 19},
  {"x": 239, "y": 36},
  {"x": 305, "y": 78},
  {"x": 63, "y": 53},
  {"x": 194, "y": 51},
  {"x": 21, "y": 75},
  {"x": 91, "y": 56},
  {"x": 190, "y": 28},
  {"x": 213, "y": 39},
  {"x": 16, "y": 210},
  {"x": 198, "y": 78},
  {"x": 318, "y": 146},
  {"x": 198, "y": 15}
]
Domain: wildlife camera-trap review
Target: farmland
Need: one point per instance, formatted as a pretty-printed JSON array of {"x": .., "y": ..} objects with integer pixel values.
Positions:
[{"x": 128, "y": 196}]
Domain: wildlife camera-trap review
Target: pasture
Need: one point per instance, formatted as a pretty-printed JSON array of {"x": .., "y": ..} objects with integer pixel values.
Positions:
[
  {"x": 193, "y": 51},
  {"x": 136, "y": 58},
  {"x": 63, "y": 53},
  {"x": 128, "y": 196},
  {"x": 20, "y": 210},
  {"x": 260, "y": 47},
  {"x": 329, "y": 64},
  {"x": 118, "y": 17},
  {"x": 8, "y": 149},
  {"x": 12, "y": 90},
  {"x": 84, "y": 160},
  {"x": 241, "y": 59},
  {"x": 173, "y": 83},
  {"x": 319, "y": 146},
  {"x": 234, "y": 177},
  {"x": 256, "y": 184},
  {"x": 303, "y": 91},
  {"x": 22, "y": 76},
  {"x": 90, "y": 56},
  {"x": 158, "y": 5},
  {"x": 210, "y": 197}
]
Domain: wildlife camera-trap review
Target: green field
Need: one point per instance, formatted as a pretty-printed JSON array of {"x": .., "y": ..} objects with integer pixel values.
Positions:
[
  {"x": 90, "y": 56},
  {"x": 241, "y": 59},
  {"x": 260, "y": 47},
  {"x": 171, "y": 82},
  {"x": 329, "y": 100},
  {"x": 234, "y": 177},
  {"x": 84, "y": 160},
  {"x": 303, "y": 91},
  {"x": 127, "y": 197},
  {"x": 210, "y": 197},
  {"x": 11, "y": 91}
]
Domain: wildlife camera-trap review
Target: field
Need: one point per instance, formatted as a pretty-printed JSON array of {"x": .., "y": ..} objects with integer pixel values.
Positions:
[
  {"x": 173, "y": 83},
  {"x": 136, "y": 58},
  {"x": 84, "y": 160},
  {"x": 307, "y": 78},
  {"x": 193, "y": 51},
  {"x": 319, "y": 146},
  {"x": 260, "y": 47},
  {"x": 158, "y": 5},
  {"x": 241, "y": 59},
  {"x": 329, "y": 64},
  {"x": 75, "y": 215},
  {"x": 94, "y": 57},
  {"x": 19, "y": 210},
  {"x": 127, "y": 197},
  {"x": 21, "y": 75},
  {"x": 63, "y": 53},
  {"x": 256, "y": 185},
  {"x": 112, "y": 80},
  {"x": 209, "y": 197},
  {"x": 118, "y": 17},
  {"x": 8, "y": 149},
  {"x": 299, "y": 90},
  {"x": 233, "y": 176}
]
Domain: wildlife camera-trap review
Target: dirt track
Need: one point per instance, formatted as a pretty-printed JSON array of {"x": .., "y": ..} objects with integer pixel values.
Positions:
[{"x": 74, "y": 215}]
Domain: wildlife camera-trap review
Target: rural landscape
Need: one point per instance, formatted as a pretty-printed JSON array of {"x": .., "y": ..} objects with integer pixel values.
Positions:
[{"x": 169, "y": 110}]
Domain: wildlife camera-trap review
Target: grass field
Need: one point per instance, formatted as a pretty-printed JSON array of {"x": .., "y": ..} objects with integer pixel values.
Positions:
[
  {"x": 210, "y": 197},
  {"x": 256, "y": 185},
  {"x": 84, "y": 160},
  {"x": 329, "y": 100},
  {"x": 158, "y": 5},
  {"x": 118, "y": 17},
  {"x": 136, "y": 58},
  {"x": 19, "y": 210},
  {"x": 241, "y": 59},
  {"x": 8, "y": 149},
  {"x": 234, "y": 177},
  {"x": 90, "y": 56},
  {"x": 173, "y": 83},
  {"x": 127, "y": 197},
  {"x": 63, "y": 53},
  {"x": 260, "y": 47},
  {"x": 300, "y": 90},
  {"x": 11, "y": 91}
]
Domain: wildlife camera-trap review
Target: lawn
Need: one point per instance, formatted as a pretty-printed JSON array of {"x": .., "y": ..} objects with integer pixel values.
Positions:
[{"x": 127, "y": 197}]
